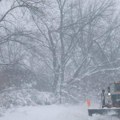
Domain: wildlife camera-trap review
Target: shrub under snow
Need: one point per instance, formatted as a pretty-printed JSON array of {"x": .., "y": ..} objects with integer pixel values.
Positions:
[{"x": 25, "y": 97}]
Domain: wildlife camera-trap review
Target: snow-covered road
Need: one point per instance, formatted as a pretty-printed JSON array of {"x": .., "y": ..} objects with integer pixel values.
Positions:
[{"x": 54, "y": 112}]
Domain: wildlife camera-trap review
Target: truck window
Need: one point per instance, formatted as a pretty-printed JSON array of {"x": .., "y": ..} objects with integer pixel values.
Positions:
[{"x": 117, "y": 87}]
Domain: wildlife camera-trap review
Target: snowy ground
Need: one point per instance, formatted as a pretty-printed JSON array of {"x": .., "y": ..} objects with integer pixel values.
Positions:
[{"x": 54, "y": 112}]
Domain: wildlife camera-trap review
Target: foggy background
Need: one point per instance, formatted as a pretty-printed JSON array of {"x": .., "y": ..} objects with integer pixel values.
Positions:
[{"x": 69, "y": 49}]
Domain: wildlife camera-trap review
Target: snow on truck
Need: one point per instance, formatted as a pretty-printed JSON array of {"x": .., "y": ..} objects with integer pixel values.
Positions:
[{"x": 110, "y": 100}]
